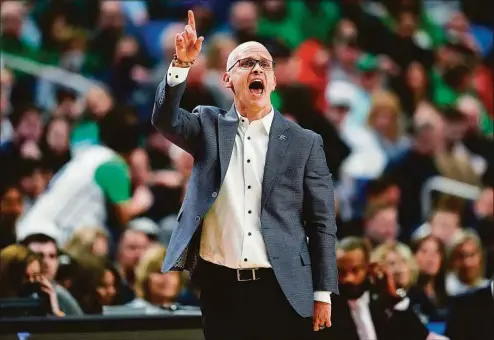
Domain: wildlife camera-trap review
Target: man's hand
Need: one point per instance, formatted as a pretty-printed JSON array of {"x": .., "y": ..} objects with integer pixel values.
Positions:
[
  {"x": 322, "y": 315},
  {"x": 187, "y": 45}
]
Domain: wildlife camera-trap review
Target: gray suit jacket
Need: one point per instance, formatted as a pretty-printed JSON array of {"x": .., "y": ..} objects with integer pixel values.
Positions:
[{"x": 297, "y": 194}]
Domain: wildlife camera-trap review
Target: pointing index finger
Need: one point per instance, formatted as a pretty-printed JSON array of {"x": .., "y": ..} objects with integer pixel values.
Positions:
[{"x": 192, "y": 20}]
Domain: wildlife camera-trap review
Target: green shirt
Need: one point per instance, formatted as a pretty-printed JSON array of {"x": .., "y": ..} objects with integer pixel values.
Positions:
[{"x": 113, "y": 178}]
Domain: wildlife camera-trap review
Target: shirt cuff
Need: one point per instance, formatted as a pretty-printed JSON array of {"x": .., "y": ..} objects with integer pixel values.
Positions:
[
  {"x": 402, "y": 305},
  {"x": 176, "y": 75},
  {"x": 322, "y": 296}
]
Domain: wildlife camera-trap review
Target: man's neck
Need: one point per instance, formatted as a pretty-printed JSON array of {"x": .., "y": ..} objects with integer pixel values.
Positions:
[{"x": 252, "y": 113}]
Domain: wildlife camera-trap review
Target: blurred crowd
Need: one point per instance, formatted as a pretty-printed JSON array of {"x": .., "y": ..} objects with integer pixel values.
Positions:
[{"x": 400, "y": 91}]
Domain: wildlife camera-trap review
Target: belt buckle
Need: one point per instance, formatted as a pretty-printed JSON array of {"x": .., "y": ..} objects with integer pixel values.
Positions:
[{"x": 252, "y": 278}]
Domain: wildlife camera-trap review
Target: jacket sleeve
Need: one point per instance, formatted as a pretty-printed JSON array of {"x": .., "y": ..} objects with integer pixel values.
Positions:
[
  {"x": 181, "y": 127},
  {"x": 319, "y": 215}
]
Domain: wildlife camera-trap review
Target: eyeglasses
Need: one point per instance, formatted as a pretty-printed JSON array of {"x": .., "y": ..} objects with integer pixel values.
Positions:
[{"x": 249, "y": 63}]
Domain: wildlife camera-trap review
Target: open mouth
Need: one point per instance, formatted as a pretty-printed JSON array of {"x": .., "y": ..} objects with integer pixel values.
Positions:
[{"x": 256, "y": 87}]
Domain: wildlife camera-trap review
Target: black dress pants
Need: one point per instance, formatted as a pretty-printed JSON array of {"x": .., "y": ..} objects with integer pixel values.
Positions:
[{"x": 247, "y": 310}]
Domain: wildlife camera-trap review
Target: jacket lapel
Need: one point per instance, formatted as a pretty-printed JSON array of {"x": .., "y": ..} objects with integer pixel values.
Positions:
[
  {"x": 279, "y": 139},
  {"x": 227, "y": 129}
]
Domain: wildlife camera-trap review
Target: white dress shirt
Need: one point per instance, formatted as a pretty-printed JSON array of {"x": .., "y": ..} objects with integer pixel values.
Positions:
[{"x": 231, "y": 232}]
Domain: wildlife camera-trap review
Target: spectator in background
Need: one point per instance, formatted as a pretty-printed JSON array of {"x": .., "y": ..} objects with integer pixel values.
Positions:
[
  {"x": 6, "y": 130},
  {"x": 102, "y": 171},
  {"x": 428, "y": 296},
  {"x": 454, "y": 161},
  {"x": 369, "y": 306},
  {"x": 465, "y": 265},
  {"x": 110, "y": 28},
  {"x": 32, "y": 180},
  {"x": 385, "y": 121},
  {"x": 397, "y": 259},
  {"x": 55, "y": 145},
  {"x": 346, "y": 54},
  {"x": 381, "y": 224},
  {"x": 413, "y": 87},
  {"x": 243, "y": 21},
  {"x": 148, "y": 227},
  {"x": 108, "y": 286},
  {"x": 20, "y": 277},
  {"x": 28, "y": 129},
  {"x": 219, "y": 48},
  {"x": 425, "y": 142},
  {"x": 87, "y": 241},
  {"x": 11, "y": 208},
  {"x": 46, "y": 248},
  {"x": 484, "y": 221},
  {"x": 154, "y": 289},
  {"x": 444, "y": 223},
  {"x": 132, "y": 245}
]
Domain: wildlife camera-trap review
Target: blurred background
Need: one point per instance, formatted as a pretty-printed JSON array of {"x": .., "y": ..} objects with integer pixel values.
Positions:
[{"x": 400, "y": 90}]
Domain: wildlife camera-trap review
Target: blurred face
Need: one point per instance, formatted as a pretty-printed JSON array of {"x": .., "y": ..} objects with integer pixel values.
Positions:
[
  {"x": 287, "y": 70},
  {"x": 11, "y": 21},
  {"x": 34, "y": 184},
  {"x": 383, "y": 226},
  {"x": 33, "y": 271},
  {"x": 30, "y": 127},
  {"x": 111, "y": 16},
  {"x": 252, "y": 85},
  {"x": 415, "y": 77},
  {"x": 347, "y": 54},
  {"x": 11, "y": 205},
  {"x": 100, "y": 246},
  {"x": 399, "y": 269},
  {"x": 428, "y": 257},
  {"x": 244, "y": 17},
  {"x": 407, "y": 24},
  {"x": 444, "y": 225},
  {"x": 370, "y": 80},
  {"x": 106, "y": 290},
  {"x": 49, "y": 257},
  {"x": 57, "y": 136},
  {"x": 352, "y": 271},
  {"x": 164, "y": 288},
  {"x": 131, "y": 249},
  {"x": 383, "y": 120},
  {"x": 468, "y": 262}
]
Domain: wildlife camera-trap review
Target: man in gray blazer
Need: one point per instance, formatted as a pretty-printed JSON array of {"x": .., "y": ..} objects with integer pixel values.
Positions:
[{"x": 257, "y": 226}]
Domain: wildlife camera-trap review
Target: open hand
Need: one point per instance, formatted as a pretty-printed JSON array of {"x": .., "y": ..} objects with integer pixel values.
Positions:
[
  {"x": 187, "y": 44},
  {"x": 322, "y": 315}
]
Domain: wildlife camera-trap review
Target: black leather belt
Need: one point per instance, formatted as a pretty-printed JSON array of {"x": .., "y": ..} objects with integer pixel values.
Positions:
[{"x": 240, "y": 275}]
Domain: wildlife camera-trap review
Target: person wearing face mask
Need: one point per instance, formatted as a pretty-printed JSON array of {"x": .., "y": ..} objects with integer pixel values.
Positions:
[
  {"x": 259, "y": 188},
  {"x": 369, "y": 306}
]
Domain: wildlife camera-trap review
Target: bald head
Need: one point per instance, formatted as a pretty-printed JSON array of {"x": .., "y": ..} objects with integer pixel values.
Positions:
[{"x": 237, "y": 53}]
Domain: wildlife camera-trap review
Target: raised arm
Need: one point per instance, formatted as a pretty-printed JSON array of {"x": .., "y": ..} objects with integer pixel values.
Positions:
[{"x": 178, "y": 125}]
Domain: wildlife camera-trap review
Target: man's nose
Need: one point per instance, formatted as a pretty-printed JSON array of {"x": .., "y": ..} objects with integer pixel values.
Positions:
[{"x": 257, "y": 68}]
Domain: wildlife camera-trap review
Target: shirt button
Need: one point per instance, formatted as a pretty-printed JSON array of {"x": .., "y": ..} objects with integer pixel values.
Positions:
[
  {"x": 214, "y": 194},
  {"x": 250, "y": 211},
  {"x": 248, "y": 138},
  {"x": 248, "y": 187},
  {"x": 248, "y": 161},
  {"x": 245, "y": 260},
  {"x": 249, "y": 234},
  {"x": 243, "y": 120},
  {"x": 198, "y": 218}
]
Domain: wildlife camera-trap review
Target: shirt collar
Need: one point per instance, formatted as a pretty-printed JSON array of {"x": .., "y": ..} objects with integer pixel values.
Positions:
[{"x": 267, "y": 120}]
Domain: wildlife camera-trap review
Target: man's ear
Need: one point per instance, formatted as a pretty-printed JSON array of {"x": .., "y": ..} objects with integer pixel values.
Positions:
[{"x": 227, "y": 80}]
